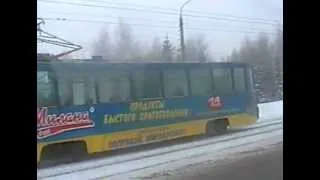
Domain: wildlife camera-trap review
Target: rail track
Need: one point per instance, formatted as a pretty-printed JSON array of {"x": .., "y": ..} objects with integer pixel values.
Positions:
[{"x": 64, "y": 161}]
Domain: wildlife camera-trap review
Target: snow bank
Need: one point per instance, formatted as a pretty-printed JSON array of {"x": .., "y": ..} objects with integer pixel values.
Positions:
[{"x": 272, "y": 110}]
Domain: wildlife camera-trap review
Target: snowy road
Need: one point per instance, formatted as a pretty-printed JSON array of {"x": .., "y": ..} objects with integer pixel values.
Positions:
[
  {"x": 261, "y": 164},
  {"x": 207, "y": 155},
  {"x": 267, "y": 132}
]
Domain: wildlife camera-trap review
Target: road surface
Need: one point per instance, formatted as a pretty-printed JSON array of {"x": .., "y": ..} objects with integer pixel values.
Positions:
[{"x": 263, "y": 165}]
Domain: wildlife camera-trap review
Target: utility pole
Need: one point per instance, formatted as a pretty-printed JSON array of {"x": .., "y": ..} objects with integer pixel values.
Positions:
[
  {"x": 181, "y": 31},
  {"x": 181, "y": 39}
]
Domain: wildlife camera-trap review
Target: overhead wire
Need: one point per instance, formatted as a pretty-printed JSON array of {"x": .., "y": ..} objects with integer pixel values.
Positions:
[
  {"x": 159, "y": 12},
  {"x": 187, "y": 10},
  {"x": 146, "y": 25},
  {"x": 159, "y": 22}
]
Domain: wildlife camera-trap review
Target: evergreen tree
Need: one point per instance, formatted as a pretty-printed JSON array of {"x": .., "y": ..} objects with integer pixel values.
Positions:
[{"x": 167, "y": 50}]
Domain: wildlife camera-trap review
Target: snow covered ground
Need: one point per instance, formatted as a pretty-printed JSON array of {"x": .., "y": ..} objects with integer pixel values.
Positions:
[{"x": 168, "y": 159}]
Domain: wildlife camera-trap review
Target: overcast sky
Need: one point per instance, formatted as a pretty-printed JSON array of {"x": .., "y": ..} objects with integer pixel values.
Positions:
[{"x": 221, "y": 35}]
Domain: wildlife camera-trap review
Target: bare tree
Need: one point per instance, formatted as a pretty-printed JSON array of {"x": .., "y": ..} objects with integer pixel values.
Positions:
[
  {"x": 196, "y": 49},
  {"x": 138, "y": 51},
  {"x": 202, "y": 47},
  {"x": 247, "y": 50},
  {"x": 190, "y": 50},
  {"x": 102, "y": 46},
  {"x": 123, "y": 41},
  {"x": 155, "y": 51},
  {"x": 265, "y": 56},
  {"x": 278, "y": 61},
  {"x": 156, "y": 44},
  {"x": 235, "y": 56}
]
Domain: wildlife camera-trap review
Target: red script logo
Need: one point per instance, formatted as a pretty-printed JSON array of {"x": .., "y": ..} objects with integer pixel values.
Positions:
[{"x": 53, "y": 124}]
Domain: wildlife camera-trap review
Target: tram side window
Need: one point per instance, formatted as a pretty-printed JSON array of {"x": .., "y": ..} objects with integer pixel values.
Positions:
[
  {"x": 239, "y": 79},
  {"x": 222, "y": 80},
  {"x": 175, "y": 83},
  {"x": 250, "y": 77},
  {"x": 76, "y": 91},
  {"x": 65, "y": 92},
  {"x": 200, "y": 82},
  {"x": 147, "y": 84},
  {"x": 91, "y": 90},
  {"x": 113, "y": 87},
  {"x": 46, "y": 95},
  {"x": 79, "y": 94}
]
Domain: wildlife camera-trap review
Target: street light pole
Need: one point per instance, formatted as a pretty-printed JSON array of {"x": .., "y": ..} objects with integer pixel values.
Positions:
[{"x": 181, "y": 31}]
